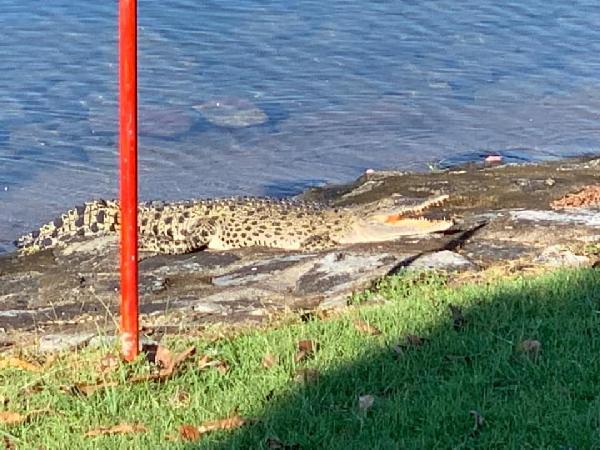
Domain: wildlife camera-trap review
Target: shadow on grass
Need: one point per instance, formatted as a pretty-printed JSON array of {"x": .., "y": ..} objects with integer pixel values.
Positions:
[{"x": 426, "y": 396}]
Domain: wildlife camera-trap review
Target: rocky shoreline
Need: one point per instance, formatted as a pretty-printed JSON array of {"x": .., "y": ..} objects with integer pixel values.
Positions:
[{"x": 504, "y": 215}]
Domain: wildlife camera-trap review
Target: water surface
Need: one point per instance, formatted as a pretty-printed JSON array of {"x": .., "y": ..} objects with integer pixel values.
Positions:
[{"x": 345, "y": 86}]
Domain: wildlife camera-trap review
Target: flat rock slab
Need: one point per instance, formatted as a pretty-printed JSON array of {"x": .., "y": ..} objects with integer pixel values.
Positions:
[
  {"x": 184, "y": 289},
  {"x": 444, "y": 260},
  {"x": 231, "y": 112},
  {"x": 503, "y": 214},
  {"x": 54, "y": 343}
]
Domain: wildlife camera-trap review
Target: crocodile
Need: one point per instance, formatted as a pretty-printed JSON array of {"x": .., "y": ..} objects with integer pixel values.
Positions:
[{"x": 223, "y": 224}]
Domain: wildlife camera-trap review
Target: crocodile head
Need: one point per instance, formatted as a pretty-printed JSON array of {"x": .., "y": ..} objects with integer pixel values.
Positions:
[{"x": 385, "y": 223}]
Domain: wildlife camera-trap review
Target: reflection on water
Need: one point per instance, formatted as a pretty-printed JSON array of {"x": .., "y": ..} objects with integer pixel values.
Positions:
[{"x": 343, "y": 86}]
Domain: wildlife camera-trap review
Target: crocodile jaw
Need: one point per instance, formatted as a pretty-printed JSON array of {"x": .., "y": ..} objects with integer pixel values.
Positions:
[
  {"x": 394, "y": 222},
  {"x": 379, "y": 232}
]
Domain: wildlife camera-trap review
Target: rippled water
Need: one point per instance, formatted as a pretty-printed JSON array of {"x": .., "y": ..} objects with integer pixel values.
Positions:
[{"x": 345, "y": 86}]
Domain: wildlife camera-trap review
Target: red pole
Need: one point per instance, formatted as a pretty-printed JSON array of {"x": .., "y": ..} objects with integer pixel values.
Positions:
[{"x": 128, "y": 177}]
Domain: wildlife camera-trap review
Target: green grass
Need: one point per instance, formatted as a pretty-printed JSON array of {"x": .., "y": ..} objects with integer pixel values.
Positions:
[{"x": 423, "y": 395}]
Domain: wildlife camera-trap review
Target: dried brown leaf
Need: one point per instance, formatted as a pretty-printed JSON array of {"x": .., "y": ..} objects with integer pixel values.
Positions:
[
  {"x": 12, "y": 362},
  {"x": 8, "y": 444},
  {"x": 365, "y": 402},
  {"x": 366, "y": 328},
  {"x": 222, "y": 424},
  {"x": 222, "y": 367},
  {"x": 12, "y": 418},
  {"x": 206, "y": 362},
  {"x": 306, "y": 348},
  {"x": 162, "y": 375},
  {"x": 176, "y": 361},
  {"x": 193, "y": 433},
  {"x": 122, "y": 428},
  {"x": 163, "y": 358},
  {"x": 300, "y": 356},
  {"x": 308, "y": 345},
  {"x": 189, "y": 432},
  {"x": 269, "y": 360},
  {"x": 15, "y": 418}
]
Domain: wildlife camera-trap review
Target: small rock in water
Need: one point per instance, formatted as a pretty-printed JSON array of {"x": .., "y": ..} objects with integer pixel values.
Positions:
[
  {"x": 164, "y": 121},
  {"x": 231, "y": 113}
]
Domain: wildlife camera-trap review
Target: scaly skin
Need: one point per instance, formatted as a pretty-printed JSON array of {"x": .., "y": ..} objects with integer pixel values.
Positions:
[{"x": 182, "y": 227}]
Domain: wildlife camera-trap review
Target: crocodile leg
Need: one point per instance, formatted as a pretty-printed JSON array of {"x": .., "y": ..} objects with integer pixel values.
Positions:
[{"x": 193, "y": 236}]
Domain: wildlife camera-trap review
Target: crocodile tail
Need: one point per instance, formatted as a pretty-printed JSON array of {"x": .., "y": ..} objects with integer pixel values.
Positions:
[{"x": 92, "y": 218}]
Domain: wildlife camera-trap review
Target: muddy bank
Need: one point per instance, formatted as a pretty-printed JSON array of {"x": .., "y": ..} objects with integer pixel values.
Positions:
[{"x": 503, "y": 214}]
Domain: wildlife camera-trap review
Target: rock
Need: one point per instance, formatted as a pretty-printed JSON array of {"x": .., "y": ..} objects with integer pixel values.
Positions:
[
  {"x": 337, "y": 271},
  {"x": 237, "y": 300},
  {"x": 154, "y": 120},
  {"x": 445, "y": 260},
  {"x": 207, "y": 307},
  {"x": 337, "y": 275},
  {"x": 559, "y": 255},
  {"x": 579, "y": 216},
  {"x": 54, "y": 343},
  {"x": 496, "y": 221},
  {"x": 257, "y": 271},
  {"x": 231, "y": 112},
  {"x": 166, "y": 121}
]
